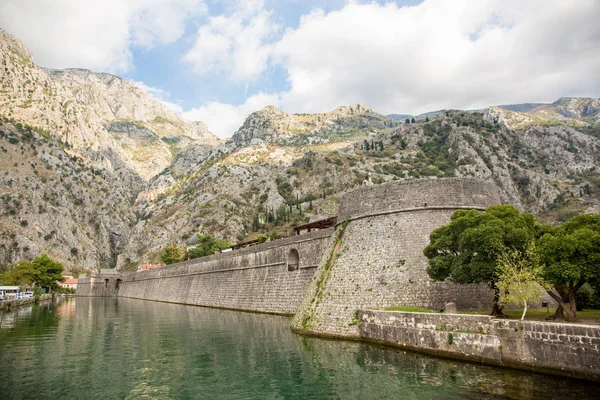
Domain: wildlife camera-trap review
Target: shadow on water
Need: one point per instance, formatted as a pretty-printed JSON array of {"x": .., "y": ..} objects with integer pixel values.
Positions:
[{"x": 95, "y": 348}]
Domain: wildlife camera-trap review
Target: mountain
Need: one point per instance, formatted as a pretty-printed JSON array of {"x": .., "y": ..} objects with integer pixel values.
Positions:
[
  {"x": 524, "y": 107},
  {"x": 103, "y": 117},
  {"x": 274, "y": 165},
  {"x": 56, "y": 202},
  {"x": 97, "y": 173},
  {"x": 271, "y": 125},
  {"x": 109, "y": 138},
  {"x": 579, "y": 112}
]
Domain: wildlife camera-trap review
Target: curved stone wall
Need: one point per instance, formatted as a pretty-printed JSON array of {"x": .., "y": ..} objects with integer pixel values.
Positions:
[
  {"x": 377, "y": 260},
  {"x": 419, "y": 195}
]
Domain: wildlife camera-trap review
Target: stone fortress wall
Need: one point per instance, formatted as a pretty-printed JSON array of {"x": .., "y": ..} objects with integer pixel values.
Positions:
[
  {"x": 270, "y": 277},
  {"x": 377, "y": 260}
]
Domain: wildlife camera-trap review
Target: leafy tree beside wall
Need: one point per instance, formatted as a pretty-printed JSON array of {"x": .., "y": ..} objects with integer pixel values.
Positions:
[
  {"x": 467, "y": 249},
  {"x": 172, "y": 254},
  {"x": 508, "y": 250},
  {"x": 207, "y": 245},
  {"x": 570, "y": 254}
]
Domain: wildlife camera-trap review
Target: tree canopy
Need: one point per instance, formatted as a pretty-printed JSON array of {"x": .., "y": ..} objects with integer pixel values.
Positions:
[
  {"x": 570, "y": 255},
  {"x": 172, "y": 254},
  {"x": 43, "y": 271},
  {"x": 467, "y": 249},
  {"x": 207, "y": 245}
]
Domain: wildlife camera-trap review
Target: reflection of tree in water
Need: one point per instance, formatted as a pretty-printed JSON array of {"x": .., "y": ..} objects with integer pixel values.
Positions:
[{"x": 28, "y": 320}]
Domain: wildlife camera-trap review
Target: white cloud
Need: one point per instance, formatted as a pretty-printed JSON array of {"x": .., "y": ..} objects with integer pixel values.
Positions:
[
  {"x": 224, "y": 119},
  {"x": 95, "y": 34},
  {"x": 236, "y": 45},
  {"x": 159, "y": 94},
  {"x": 441, "y": 54}
]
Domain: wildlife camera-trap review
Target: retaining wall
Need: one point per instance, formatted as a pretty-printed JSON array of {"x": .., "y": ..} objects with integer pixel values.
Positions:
[
  {"x": 567, "y": 349},
  {"x": 263, "y": 278},
  {"x": 8, "y": 304},
  {"x": 378, "y": 259}
]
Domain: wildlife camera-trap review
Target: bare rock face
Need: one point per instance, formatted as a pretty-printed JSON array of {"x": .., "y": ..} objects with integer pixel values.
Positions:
[
  {"x": 83, "y": 108},
  {"x": 273, "y": 126}
]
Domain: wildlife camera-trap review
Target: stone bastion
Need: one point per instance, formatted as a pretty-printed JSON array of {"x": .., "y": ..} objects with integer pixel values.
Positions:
[{"x": 375, "y": 258}]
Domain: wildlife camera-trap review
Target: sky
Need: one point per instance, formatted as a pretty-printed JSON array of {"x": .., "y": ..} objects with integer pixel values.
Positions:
[{"x": 219, "y": 60}]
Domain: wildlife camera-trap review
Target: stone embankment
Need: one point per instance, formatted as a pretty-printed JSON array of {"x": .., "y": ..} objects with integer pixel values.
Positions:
[
  {"x": 9, "y": 304},
  {"x": 566, "y": 349}
]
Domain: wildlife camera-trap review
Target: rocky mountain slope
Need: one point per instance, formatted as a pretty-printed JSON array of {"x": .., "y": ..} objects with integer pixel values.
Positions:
[
  {"x": 54, "y": 201},
  {"x": 264, "y": 171},
  {"x": 103, "y": 117},
  {"x": 106, "y": 123},
  {"x": 97, "y": 173}
]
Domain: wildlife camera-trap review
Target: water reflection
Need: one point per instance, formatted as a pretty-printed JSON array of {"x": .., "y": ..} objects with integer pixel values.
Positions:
[{"x": 131, "y": 349}]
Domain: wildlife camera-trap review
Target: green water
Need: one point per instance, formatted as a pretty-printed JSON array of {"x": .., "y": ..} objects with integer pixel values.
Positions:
[{"x": 131, "y": 349}]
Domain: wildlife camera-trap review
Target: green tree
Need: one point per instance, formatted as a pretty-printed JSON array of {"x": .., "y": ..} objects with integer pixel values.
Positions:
[
  {"x": 48, "y": 272},
  {"x": 570, "y": 256},
  {"x": 467, "y": 249},
  {"x": 172, "y": 254},
  {"x": 426, "y": 119},
  {"x": 207, "y": 245},
  {"x": 366, "y": 145},
  {"x": 22, "y": 274},
  {"x": 520, "y": 278},
  {"x": 412, "y": 120},
  {"x": 407, "y": 121},
  {"x": 380, "y": 145}
]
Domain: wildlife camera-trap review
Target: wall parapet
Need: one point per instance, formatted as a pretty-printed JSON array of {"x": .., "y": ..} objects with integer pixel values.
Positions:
[
  {"x": 216, "y": 262},
  {"x": 423, "y": 194},
  {"x": 564, "y": 349}
]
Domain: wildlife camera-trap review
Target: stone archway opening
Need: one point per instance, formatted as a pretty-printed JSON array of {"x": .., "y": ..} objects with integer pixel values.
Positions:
[
  {"x": 117, "y": 284},
  {"x": 293, "y": 260}
]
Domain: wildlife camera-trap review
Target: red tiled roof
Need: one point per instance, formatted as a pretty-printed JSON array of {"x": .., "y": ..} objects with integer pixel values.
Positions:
[{"x": 70, "y": 281}]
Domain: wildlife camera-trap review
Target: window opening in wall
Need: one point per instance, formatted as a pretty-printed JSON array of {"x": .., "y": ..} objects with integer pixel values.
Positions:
[
  {"x": 293, "y": 260},
  {"x": 105, "y": 283},
  {"x": 117, "y": 284}
]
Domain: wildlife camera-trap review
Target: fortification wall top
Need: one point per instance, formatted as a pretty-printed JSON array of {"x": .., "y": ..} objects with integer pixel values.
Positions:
[
  {"x": 205, "y": 262},
  {"x": 421, "y": 194}
]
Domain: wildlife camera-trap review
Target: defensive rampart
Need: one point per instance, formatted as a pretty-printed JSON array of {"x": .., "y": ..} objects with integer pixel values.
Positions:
[
  {"x": 568, "y": 349},
  {"x": 376, "y": 257},
  {"x": 270, "y": 277}
]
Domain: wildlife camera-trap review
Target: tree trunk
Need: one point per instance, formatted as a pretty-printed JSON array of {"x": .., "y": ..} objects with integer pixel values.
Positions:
[
  {"x": 524, "y": 310},
  {"x": 496, "y": 307},
  {"x": 563, "y": 308}
]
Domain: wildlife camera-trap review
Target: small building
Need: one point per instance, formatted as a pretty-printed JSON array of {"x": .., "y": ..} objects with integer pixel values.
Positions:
[
  {"x": 316, "y": 225},
  {"x": 70, "y": 283}
]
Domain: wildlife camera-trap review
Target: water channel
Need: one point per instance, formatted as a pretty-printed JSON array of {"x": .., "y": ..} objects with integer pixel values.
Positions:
[{"x": 106, "y": 348}]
